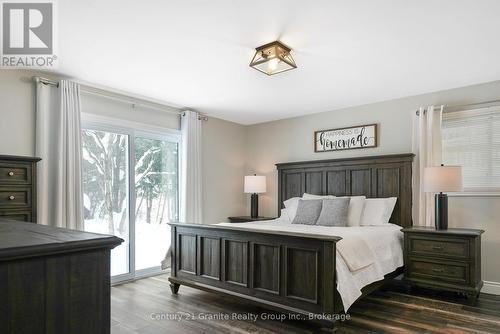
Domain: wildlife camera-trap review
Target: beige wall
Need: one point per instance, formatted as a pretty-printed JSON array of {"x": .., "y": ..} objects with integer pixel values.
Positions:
[
  {"x": 223, "y": 170},
  {"x": 292, "y": 140},
  {"x": 17, "y": 113}
]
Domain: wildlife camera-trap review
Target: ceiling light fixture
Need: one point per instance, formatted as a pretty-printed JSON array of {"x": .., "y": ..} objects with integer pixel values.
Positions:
[{"x": 273, "y": 58}]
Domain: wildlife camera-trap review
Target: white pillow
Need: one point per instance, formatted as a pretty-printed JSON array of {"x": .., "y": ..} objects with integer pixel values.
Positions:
[
  {"x": 377, "y": 211},
  {"x": 311, "y": 196},
  {"x": 355, "y": 210},
  {"x": 291, "y": 205},
  {"x": 284, "y": 216},
  {"x": 294, "y": 201}
]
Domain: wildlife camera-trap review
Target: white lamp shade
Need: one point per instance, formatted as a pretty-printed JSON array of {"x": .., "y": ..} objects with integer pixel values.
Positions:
[
  {"x": 255, "y": 184},
  {"x": 443, "y": 179}
]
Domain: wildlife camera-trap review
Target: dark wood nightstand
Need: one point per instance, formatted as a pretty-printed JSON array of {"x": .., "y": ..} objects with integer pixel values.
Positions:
[
  {"x": 246, "y": 219},
  {"x": 444, "y": 259}
]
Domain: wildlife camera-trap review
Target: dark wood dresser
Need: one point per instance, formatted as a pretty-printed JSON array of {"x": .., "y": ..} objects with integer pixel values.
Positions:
[
  {"x": 18, "y": 188},
  {"x": 444, "y": 259},
  {"x": 54, "y": 280}
]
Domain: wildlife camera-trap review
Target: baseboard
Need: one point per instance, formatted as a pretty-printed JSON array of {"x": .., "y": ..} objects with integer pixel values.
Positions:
[{"x": 491, "y": 288}]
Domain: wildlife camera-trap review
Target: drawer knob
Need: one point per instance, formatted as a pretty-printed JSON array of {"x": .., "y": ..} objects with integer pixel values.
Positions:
[
  {"x": 437, "y": 247},
  {"x": 11, "y": 173},
  {"x": 11, "y": 197},
  {"x": 438, "y": 270}
]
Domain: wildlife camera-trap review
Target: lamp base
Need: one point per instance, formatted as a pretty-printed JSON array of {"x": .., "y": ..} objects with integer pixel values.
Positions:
[
  {"x": 441, "y": 211},
  {"x": 254, "y": 208}
]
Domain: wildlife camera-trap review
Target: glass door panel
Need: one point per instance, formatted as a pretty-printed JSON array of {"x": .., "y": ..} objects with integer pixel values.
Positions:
[
  {"x": 156, "y": 199},
  {"x": 105, "y": 191}
]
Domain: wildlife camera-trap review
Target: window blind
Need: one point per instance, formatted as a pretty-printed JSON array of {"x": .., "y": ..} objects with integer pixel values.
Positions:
[{"x": 471, "y": 139}]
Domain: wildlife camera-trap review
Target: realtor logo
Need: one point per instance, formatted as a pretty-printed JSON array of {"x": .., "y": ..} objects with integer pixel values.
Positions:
[{"x": 28, "y": 34}]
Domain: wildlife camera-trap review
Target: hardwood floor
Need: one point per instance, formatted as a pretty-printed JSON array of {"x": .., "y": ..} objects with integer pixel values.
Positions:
[{"x": 143, "y": 307}]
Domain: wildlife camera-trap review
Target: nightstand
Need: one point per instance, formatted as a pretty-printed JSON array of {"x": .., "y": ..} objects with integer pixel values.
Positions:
[
  {"x": 246, "y": 219},
  {"x": 443, "y": 259}
]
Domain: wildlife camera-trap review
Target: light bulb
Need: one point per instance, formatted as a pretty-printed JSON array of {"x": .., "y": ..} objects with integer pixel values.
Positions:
[{"x": 273, "y": 65}]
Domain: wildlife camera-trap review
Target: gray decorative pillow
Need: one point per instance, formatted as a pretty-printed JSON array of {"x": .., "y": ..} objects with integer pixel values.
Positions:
[
  {"x": 334, "y": 212},
  {"x": 308, "y": 211}
]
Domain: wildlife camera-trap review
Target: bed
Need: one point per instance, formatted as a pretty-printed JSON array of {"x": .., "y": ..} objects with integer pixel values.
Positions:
[{"x": 295, "y": 269}]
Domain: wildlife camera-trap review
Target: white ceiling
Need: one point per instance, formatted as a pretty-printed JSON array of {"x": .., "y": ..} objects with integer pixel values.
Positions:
[{"x": 196, "y": 53}]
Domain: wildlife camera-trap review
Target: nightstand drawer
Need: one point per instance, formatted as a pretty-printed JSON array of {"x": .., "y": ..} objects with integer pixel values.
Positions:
[
  {"x": 13, "y": 173},
  {"x": 453, "y": 272},
  {"x": 18, "y": 197},
  {"x": 449, "y": 247}
]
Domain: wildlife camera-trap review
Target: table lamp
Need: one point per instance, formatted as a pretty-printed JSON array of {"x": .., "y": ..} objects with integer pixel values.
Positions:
[
  {"x": 255, "y": 184},
  {"x": 438, "y": 180}
]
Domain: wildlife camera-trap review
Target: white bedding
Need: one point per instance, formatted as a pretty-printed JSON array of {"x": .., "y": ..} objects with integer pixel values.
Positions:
[{"x": 385, "y": 242}]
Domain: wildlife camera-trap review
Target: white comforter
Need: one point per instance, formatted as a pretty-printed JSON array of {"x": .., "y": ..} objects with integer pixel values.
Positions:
[{"x": 385, "y": 242}]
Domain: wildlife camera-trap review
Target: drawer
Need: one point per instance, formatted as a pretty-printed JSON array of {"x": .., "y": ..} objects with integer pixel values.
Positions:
[
  {"x": 22, "y": 216},
  {"x": 449, "y": 247},
  {"x": 15, "y": 173},
  {"x": 439, "y": 271},
  {"x": 15, "y": 197}
]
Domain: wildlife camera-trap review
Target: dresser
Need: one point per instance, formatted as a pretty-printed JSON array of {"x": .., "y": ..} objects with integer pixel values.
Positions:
[
  {"x": 444, "y": 259},
  {"x": 54, "y": 280},
  {"x": 18, "y": 188}
]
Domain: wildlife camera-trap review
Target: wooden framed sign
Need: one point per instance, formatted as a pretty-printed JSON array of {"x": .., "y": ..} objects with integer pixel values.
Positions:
[{"x": 361, "y": 136}]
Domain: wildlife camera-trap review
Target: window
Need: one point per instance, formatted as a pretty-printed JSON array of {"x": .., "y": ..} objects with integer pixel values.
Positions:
[
  {"x": 471, "y": 139},
  {"x": 130, "y": 184}
]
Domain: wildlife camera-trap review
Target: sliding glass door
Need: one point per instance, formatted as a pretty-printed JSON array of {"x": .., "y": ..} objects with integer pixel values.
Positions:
[
  {"x": 105, "y": 191},
  {"x": 156, "y": 198},
  {"x": 130, "y": 185}
]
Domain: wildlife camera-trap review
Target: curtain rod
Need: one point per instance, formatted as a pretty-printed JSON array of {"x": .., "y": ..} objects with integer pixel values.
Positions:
[
  {"x": 114, "y": 96},
  {"x": 124, "y": 98},
  {"x": 478, "y": 105},
  {"x": 201, "y": 117},
  {"x": 46, "y": 81}
]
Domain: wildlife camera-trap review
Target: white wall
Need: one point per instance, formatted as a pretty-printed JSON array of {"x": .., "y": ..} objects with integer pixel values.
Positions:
[{"x": 292, "y": 140}]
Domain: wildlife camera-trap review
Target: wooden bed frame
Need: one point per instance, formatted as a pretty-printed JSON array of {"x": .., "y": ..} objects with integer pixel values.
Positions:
[{"x": 284, "y": 271}]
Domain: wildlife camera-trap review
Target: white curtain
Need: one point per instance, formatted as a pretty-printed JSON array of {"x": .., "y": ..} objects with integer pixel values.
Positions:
[
  {"x": 58, "y": 143},
  {"x": 190, "y": 191},
  {"x": 426, "y": 145},
  {"x": 191, "y": 169}
]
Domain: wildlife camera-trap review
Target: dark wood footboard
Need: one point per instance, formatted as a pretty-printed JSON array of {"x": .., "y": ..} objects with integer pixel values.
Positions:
[{"x": 282, "y": 271}]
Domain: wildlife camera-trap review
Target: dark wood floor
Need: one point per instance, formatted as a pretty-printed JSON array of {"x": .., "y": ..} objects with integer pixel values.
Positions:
[{"x": 142, "y": 307}]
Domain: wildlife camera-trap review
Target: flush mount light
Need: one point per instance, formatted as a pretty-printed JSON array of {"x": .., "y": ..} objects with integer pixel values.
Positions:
[{"x": 273, "y": 58}]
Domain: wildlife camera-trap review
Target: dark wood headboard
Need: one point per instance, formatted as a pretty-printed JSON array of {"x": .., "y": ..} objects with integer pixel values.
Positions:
[{"x": 377, "y": 176}]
